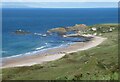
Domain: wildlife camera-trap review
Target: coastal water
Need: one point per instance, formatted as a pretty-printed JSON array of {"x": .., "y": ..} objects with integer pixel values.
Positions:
[{"x": 40, "y": 20}]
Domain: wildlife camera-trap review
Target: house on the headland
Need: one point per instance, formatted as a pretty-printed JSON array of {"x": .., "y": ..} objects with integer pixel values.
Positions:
[{"x": 94, "y": 29}]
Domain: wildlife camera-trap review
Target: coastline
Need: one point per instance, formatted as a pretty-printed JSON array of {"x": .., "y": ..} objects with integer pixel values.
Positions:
[{"x": 51, "y": 54}]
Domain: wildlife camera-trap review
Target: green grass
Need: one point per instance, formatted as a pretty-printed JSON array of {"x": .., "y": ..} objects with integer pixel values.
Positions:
[{"x": 98, "y": 63}]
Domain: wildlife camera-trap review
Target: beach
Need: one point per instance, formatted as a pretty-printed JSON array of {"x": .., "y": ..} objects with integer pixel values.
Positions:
[
  {"x": 51, "y": 54},
  {"x": 59, "y": 41}
]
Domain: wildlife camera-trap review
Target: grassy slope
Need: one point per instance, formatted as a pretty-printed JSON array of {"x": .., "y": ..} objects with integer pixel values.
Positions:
[{"x": 98, "y": 63}]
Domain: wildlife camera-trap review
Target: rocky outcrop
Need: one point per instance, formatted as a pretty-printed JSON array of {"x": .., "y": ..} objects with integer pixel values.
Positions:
[
  {"x": 78, "y": 28},
  {"x": 60, "y": 31},
  {"x": 21, "y": 32}
]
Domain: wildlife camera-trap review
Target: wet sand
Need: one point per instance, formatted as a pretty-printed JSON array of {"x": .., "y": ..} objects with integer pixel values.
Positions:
[{"x": 51, "y": 54}]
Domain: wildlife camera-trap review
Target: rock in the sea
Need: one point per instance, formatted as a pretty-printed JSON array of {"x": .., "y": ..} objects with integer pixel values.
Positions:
[{"x": 22, "y": 32}]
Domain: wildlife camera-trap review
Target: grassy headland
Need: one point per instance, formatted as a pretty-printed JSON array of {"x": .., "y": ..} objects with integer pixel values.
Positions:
[{"x": 98, "y": 63}]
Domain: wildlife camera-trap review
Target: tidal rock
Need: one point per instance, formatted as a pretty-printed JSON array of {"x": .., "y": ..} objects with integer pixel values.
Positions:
[{"x": 21, "y": 32}]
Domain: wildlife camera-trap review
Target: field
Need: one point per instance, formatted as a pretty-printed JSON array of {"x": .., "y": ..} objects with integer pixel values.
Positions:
[{"x": 98, "y": 63}]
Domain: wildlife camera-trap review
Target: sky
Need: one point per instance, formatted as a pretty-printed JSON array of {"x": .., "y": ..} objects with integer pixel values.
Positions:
[
  {"x": 59, "y": 3},
  {"x": 60, "y": 0}
]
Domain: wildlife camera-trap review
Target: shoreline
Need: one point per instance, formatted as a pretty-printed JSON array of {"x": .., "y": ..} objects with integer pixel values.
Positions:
[
  {"x": 32, "y": 52},
  {"x": 51, "y": 54}
]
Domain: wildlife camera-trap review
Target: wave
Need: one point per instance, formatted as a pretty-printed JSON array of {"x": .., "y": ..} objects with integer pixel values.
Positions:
[
  {"x": 39, "y": 34},
  {"x": 38, "y": 50},
  {"x": 2, "y": 52},
  {"x": 20, "y": 55}
]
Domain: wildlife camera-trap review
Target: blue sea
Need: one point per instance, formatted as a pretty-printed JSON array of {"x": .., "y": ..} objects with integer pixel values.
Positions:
[{"x": 40, "y": 20}]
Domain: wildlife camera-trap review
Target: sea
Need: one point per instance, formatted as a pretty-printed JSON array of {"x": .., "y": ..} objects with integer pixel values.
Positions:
[{"x": 39, "y": 20}]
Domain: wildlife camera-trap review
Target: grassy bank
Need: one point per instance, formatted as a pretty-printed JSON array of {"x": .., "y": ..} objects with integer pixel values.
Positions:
[{"x": 98, "y": 63}]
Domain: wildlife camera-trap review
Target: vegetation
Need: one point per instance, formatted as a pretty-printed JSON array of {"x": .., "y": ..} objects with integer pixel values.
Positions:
[
  {"x": 102, "y": 28},
  {"x": 98, "y": 63}
]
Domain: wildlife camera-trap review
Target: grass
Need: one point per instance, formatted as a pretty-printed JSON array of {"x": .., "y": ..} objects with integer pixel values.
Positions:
[{"x": 98, "y": 63}]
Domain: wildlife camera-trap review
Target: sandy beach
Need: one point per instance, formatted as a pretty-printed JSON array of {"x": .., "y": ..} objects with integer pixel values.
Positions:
[{"x": 51, "y": 54}]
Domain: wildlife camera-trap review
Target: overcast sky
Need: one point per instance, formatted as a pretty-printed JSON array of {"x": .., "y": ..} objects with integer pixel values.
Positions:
[
  {"x": 60, "y": 3},
  {"x": 60, "y": 0}
]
